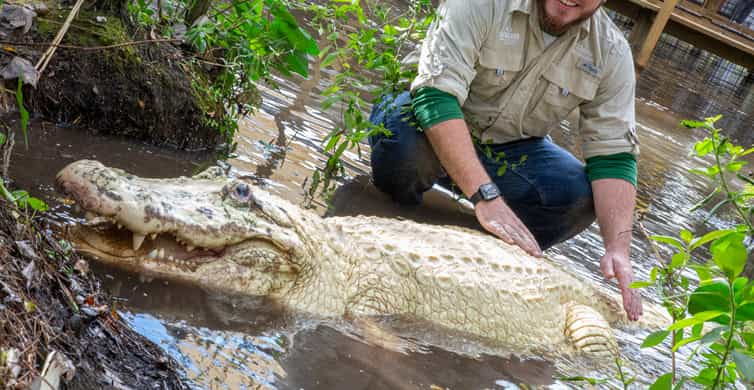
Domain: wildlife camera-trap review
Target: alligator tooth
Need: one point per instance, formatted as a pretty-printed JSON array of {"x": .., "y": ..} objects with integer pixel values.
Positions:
[
  {"x": 161, "y": 253},
  {"x": 138, "y": 240},
  {"x": 152, "y": 254},
  {"x": 190, "y": 248},
  {"x": 171, "y": 258},
  {"x": 120, "y": 226},
  {"x": 153, "y": 236}
]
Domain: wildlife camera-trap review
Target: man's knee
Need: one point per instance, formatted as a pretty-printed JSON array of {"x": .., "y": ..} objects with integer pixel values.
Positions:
[{"x": 403, "y": 164}]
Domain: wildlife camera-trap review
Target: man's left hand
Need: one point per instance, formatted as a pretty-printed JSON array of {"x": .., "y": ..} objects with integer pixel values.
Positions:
[{"x": 617, "y": 265}]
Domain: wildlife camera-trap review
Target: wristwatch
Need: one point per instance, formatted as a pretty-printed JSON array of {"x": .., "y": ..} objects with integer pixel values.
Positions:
[{"x": 486, "y": 191}]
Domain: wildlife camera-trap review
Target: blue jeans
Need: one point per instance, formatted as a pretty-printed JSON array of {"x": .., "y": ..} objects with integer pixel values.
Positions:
[{"x": 547, "y": 189}]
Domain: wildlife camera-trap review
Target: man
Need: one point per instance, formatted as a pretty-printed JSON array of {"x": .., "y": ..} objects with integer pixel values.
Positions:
[{"x": 494, "y": 77}]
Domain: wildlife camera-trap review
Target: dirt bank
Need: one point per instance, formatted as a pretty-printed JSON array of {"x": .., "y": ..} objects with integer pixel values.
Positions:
[
  {"x": 140, "y": 90},
  {"x": 49, "y": 301}
]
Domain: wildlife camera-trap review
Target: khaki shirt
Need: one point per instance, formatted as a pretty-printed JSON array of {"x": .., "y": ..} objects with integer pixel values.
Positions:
[{"x": 490, "y": 54}]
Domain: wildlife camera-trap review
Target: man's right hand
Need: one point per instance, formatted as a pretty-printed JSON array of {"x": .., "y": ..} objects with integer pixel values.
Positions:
[{"x": 497, "y": 218}]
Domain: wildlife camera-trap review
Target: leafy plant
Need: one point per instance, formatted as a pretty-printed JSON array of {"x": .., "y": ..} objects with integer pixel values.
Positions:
[
  {"x": 235, "y": 44},
  {"x": 716, "y": 316},
  {"x": 364, "y": 41},
  {"x": 23, "y": 111}
]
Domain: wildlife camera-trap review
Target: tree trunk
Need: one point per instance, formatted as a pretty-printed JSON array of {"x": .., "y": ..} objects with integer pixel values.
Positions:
[{"x": 196, "y": 10}]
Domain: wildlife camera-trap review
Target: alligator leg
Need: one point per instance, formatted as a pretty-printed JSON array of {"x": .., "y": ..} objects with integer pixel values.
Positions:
[{"x": 588, "y": 331}]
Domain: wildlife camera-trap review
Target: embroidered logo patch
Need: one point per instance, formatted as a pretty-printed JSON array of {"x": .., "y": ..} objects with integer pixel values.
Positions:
[
  {"x": 506, "y": 34},
  {"x": 589, "y": 68}
]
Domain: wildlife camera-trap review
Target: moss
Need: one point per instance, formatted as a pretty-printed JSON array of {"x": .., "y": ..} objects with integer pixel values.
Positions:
[{"x": 86, "y": 31}]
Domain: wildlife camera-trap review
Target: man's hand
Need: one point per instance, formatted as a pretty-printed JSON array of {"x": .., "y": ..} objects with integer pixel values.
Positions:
[
  {"x": 617, "y": 265},
  {"x": 497, "y": 218}
]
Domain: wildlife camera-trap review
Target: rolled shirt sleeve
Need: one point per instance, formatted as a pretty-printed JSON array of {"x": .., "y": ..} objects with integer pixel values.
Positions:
[
  {"x": 451, "y": 48},
  {"x": 608, "y": 123}
]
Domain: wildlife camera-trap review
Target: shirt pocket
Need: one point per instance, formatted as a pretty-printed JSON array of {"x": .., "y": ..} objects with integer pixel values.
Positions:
[
  {"x": 498, "y": 66},
  {"x": 563, "y": 92}
]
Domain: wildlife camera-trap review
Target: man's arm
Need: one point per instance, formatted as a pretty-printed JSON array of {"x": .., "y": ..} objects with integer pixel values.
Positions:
[
  {"x": 453, "y": 146},
  {"x": 614, "y": 201}
]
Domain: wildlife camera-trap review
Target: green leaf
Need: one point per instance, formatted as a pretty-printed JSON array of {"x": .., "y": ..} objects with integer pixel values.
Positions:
[
  {"x": 712, "y": 336},
  {"x": 748, "y": 338},
  {"x": 704, "y": 147},
  {"x": 679, "y": 260},
  {"x": 591, "y": 381},
  {"x": 735, "y": 166},
  {"x": 327, "y": 103},
  {"x": 502, "y": 169},
  {"x": 692, "y": 124},
  {"x": 698, "y": 318},
  {"x": 746, "y": 152},
  {"x": 22, "y": 111},
  {"x": 744, "y": 365},
  {"x": 711, "y": 236},
  {"x": 683, "y": 342},
  {"x": 669, "y": 240},
  {"x": 713, "y": 296},
  {"x": 332, "y": 141},
  {"x": 745, "y": 312},
  {"x": 696, "y": 330},
  {"x": 686, "y": 235},
  {"x": 706, "y": 376},
  {"x": 640, "y": 284},
  {"x": 37, "y": 204},
  {"x": 329, "y": 59},
  {"x": 655, "y": 338},
  {"x": 729, "y": 253},
  {"x": 2, "y": 139},
  {"x": 653, "y": 274},
  {"x": 664, "y": 382},
  {"x": 712, "y": 119}
]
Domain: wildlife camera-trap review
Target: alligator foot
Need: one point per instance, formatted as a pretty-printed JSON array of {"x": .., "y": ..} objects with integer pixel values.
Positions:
[{"x": 588, "y": 331}]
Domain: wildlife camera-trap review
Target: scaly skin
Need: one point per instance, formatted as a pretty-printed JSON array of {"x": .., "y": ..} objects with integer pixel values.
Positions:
[{"x": 245, "y": 240}]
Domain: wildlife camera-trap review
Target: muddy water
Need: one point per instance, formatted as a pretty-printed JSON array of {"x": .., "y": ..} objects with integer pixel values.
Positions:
[{"x": 242, "y": 343}]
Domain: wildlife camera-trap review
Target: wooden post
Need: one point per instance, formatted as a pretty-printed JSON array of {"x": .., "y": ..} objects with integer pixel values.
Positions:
[
  {"x": 713, "y": 5},
  {"x": 654, "y": 34},
  {"x": 642, "y": 23}
]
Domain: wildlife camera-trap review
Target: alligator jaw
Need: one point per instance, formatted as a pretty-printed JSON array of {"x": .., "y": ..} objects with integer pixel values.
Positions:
[{"x": 117, "y": 245}]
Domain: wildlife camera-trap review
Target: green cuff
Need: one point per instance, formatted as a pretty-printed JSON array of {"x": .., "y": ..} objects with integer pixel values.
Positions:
[
  {"x": 432, "y": 106},
  {"x": 614, "y": 166}
]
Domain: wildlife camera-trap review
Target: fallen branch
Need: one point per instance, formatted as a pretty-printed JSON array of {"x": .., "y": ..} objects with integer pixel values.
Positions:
[
  {"x": 47, "y": 56},
  {"x": 91, "y": 48}
]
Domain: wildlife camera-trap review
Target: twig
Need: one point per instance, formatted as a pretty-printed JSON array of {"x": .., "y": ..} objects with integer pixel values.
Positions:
[
  {"x": 650, "y": 241},
  {"x": 90, "y": 48},
  {"x": 7, "y": 150},
  {"x": 47, "y": 56}
]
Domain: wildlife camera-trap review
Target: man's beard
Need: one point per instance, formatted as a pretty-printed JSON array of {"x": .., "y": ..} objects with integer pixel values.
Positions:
[{"x": 551, "y": 27}]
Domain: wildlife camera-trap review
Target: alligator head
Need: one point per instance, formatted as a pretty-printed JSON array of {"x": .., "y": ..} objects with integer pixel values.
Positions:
[{"x": 189, "y": 228}]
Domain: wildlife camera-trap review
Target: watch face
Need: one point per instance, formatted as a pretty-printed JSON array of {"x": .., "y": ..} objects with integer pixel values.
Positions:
[{"x": 489, "y": 191}]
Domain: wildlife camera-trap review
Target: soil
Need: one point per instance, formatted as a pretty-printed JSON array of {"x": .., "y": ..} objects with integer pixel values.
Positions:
[
  {"x": 49, "y": 301},
  {"x": 142, "y": 91}
]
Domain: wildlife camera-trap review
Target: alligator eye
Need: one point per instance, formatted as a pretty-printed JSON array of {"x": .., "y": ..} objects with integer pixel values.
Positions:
[
  {"x": 240, "y": 192},
  {"x": 243, "y": 191}
]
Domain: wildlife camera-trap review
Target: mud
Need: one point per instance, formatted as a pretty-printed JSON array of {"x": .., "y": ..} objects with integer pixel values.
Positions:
[
  {"x": 49, "y": 301},
  {"x": 141, "y": 90}
]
